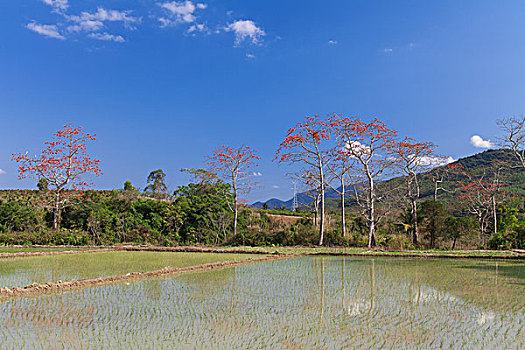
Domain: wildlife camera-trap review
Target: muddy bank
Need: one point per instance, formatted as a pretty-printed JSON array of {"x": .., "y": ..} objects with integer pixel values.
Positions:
[
  {"x": 288, "y": 251},
  {"x": 59, "y": 287},
  {"x": 517, "y": 255},
  {"x": 423, "y": 255},
  {"x": 23, "y": 254},
  {"x": 196, "y": 250}
]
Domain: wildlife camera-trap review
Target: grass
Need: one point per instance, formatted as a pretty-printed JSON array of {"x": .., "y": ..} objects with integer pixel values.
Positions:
[
  {"x": 43, "y": 249},
  {"x": 307, "y": 250},
  {"x": 22, "y": 271},
  {"x": 368, "y": 252}
]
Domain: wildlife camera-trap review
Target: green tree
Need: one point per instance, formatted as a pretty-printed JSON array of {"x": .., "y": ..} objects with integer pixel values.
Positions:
[
  {"x": 128, "y": 186},
  {"x": 157, "y": 184},
  {"x": 204, "y": 210},
  {"x": 433, "y": 215},
  {"x": 43, "y": 184},
  {"x": 455, "y": 228}
]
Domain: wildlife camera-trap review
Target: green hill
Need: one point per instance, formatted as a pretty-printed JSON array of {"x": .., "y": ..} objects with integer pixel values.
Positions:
[{"x": 482, "y": 165}]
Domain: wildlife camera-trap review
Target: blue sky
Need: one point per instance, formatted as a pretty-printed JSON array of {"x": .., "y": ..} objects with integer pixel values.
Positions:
[{"x": 164, "y": 82}]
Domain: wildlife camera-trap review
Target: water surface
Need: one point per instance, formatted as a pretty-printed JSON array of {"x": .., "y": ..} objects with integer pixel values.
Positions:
[
  {"x": 307, "y": 302},
  {"x": 22, "y": 271}
]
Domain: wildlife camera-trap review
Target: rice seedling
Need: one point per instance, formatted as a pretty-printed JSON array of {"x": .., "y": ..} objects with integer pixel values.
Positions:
[
  {"x": 306, "y": 302},
  {"x": 19, "y": 272}
]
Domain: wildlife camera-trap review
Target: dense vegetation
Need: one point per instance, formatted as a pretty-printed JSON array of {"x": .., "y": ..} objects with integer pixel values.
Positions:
[
  {"x": 199, "y": 213},
  {"x": 196, "y": 214}
]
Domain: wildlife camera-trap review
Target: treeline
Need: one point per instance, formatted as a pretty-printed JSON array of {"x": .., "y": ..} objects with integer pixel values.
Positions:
[
  {"x": 196, "y": 213},
  {"x": 352, "y": 158}
]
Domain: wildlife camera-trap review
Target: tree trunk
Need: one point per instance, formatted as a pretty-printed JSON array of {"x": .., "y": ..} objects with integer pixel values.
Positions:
[
  {"x": 415, "y": 233},
  {"x": 321, "y": 224},
  {"x": 343, "y": 221},
  {"x": 454, "y": 243},
  {"x": 316, "y": 207},
  {"x": 481, "y": 220},
  {"x": 371, "y": 214},
  {"x": 235, "y": 210},
  {"x": 494, "y": 214},
  {"x": 56, "y": 212},
  {"x": 371, "y": 235},
  {"x": 235, "y": 220}
]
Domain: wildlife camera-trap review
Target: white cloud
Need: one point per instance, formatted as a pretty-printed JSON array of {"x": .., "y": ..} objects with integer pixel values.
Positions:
[
  {"x": 49, "y": 30},
  {"x": 197, "y": 28},
  {"x": 388, "y": 50},
  {"x": 103, "y": 14},
  {"x": 436, "y": 161},
  {"x": 86, "y": 26},
  {"x": 249, "y": 55},
  {"x": 2, "y": 171},
  {"x": 332, "y": 42},
  {"x": 477, "y": 141},
  {"x": 255, "y": 173},
  {"x": 57, "y": 4},
  {"x": 275, "y": 186},
  {"x": 357, "y": 148},
  {"x": 244, "y": 29},
  {"x": 92, "y": 22},
  {"x": 183, "y": 11},
  {"x": 107, "y": 37},
  {"x": 88, "y": 22},
  {"x": 165, "y": 22}
]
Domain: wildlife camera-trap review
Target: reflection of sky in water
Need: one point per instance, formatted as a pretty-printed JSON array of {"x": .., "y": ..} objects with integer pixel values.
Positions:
[{"x": 305, "y": 302}]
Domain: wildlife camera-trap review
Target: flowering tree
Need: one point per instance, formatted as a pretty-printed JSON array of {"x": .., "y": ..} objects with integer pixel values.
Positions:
[
  {"x": 305, "y": 144},
  {"x": 414, "y": 158},
  {"x": 62, "y": 164},
  {"x": 480, "y": 196},
  {"x": 371, "y": 144},
  {"x": 339, "y": 169},
  {"x": 232, "y": 165}
]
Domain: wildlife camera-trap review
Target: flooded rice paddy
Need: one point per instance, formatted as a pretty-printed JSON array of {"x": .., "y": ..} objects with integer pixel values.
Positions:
[
  {"x": 305, "y": 302},
  {"x": 20, "y": 272}
]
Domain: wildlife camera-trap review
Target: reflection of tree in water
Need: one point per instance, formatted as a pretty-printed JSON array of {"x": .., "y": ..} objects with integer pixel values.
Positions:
[
  {"x": 515, "y": 270},
  {"x": 306, "y": 302},
  {"x": 153, "y": 289},
  {"x": 487, "y": 284},
  {"x": 205, "y": 284},
  {"x": 497, "y": 285},
  {"x": 45, "y": 316}
]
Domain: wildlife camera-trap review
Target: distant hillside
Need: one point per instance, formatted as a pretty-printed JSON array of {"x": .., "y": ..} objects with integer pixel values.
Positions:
[
  {"x": 486, "y": 161},
  {"x": 481, "y": 164},
  {"x": 302, "y": 199}
]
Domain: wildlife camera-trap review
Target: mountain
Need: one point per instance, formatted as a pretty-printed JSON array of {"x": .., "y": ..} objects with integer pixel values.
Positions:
[
  {"x": 481, "y": 163},
  {"x": 303, "y": 198},
  {"x": 273, "y": 203}
]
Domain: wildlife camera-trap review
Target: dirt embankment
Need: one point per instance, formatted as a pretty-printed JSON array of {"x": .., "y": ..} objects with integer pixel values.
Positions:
[
  {"x": 198, "y": 250},
  {"x": 421, "y": 255},
  {"x": 23, "y": 254},
  {"x": 284, "y": 219},
  {"x": 512, "y": 255},
  {"x": 54, "y": 287}
]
